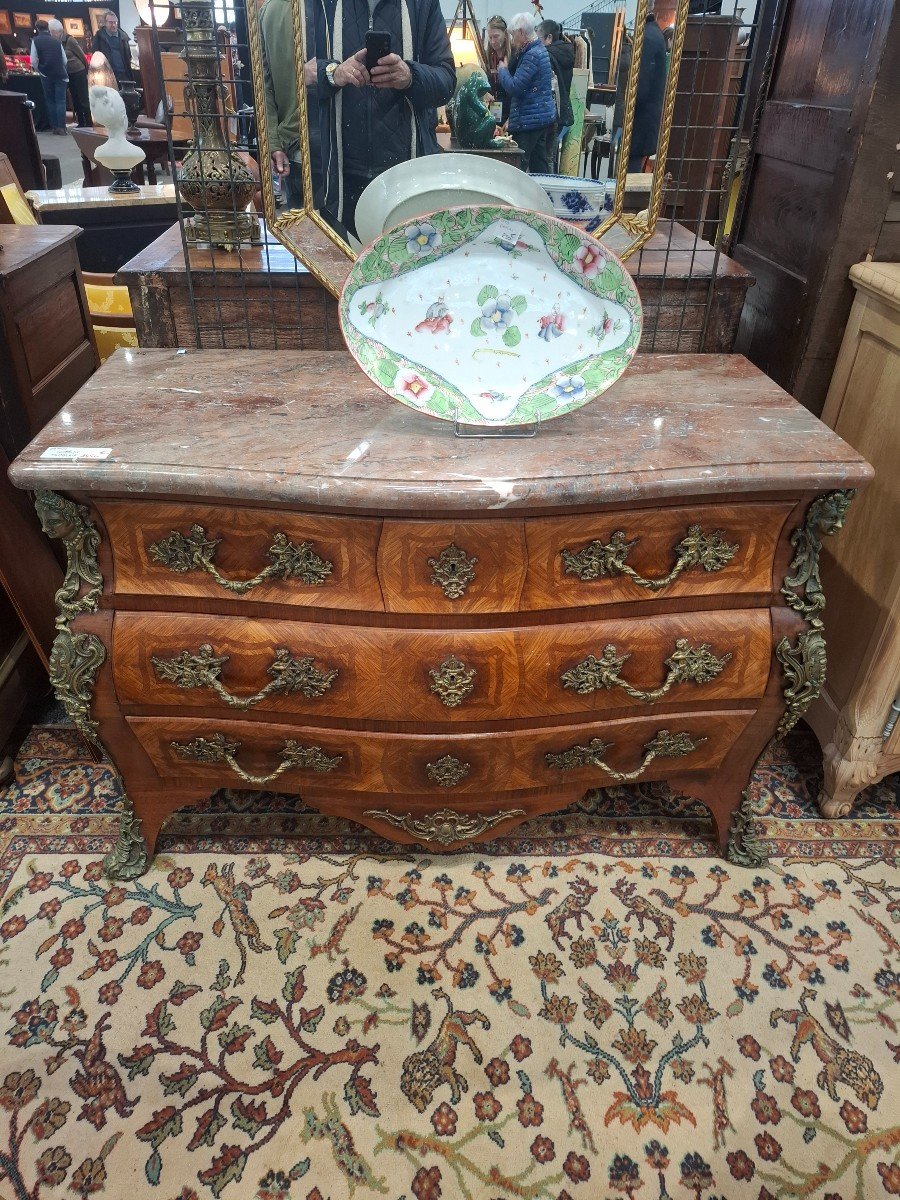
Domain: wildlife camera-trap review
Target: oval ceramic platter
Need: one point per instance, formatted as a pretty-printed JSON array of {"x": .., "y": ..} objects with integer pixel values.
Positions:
[{"x": 490, "y": 316}]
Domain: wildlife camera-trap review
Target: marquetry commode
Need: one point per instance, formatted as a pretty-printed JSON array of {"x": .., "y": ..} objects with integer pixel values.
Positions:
[{"x": 278, "y": 578}]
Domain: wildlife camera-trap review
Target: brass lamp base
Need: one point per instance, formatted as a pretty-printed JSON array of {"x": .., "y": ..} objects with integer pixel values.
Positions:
[{"x": 223, "y": 230}]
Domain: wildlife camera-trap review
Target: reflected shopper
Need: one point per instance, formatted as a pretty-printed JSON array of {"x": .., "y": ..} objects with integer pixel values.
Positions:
[
  {"x": 276, "y": 29},
  {"x": 77, "y": 67},
  {"x": 532, "y": 110},
  {"x": 374, "y": 119},
  {"x": 113, "y": 43}
]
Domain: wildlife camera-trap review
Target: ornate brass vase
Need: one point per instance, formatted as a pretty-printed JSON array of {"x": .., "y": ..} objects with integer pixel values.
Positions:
[{"x": 213, "y": 180}]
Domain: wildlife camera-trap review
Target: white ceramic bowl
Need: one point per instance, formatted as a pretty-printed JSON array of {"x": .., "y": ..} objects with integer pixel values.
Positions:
[
  {"x": 438, "y": 181},
  {"x": 576, "y": 199}
]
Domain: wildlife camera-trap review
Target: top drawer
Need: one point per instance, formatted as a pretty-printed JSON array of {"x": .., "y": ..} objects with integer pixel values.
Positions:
[
  {"x": 665, "y": 552},
  {"x": 264, "y": 555}
]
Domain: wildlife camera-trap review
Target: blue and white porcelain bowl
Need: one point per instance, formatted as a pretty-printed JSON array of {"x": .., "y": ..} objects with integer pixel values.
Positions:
[{"x": 576, "y": 199}]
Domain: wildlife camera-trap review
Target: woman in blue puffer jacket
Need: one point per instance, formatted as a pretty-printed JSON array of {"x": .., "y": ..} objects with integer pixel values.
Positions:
[{"x": 532, "y": 108}]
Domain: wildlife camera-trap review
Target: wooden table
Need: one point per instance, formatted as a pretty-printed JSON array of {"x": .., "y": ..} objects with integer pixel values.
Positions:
[
  {"x": 114, "y": 228},
  {"x": 153, "y": 141},
  {"x": 280, "y": 577},
  {"x": 263, "y": 298}
]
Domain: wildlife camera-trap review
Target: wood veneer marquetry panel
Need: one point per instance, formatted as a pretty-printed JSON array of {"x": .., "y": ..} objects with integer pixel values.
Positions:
[
  {"x": 397, "y": 765},
  {"x": 753, "y": 528},
  {"x": 385, "y": 675},
  {"x": 244, "y": 539}
]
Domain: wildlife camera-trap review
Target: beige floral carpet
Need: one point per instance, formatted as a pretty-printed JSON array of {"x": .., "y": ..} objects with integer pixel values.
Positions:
[{"x": 596, "y": 1006}]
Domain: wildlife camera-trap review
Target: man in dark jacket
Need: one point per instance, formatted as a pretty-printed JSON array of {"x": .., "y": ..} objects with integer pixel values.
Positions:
[
  {"x": 49, "y": 59},
  {"x": 373, "y": 120},
  {"x": 562, "y": 60},
  {"x": 532, "y": 110},
  {"x": 113, "y": 44},
  {"x": 650, "y": 92}
]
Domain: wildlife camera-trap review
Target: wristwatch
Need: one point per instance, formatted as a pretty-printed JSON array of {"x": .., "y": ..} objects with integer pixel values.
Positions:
[{"x": 330, "y": 69}]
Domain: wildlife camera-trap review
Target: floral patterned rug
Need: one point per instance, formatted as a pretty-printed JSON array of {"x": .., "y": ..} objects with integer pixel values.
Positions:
[{"x": 594, "y": 1007}]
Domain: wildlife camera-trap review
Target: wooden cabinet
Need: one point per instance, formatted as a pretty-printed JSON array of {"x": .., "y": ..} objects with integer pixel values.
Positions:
[
  {"x": 855, "y": 718},
  {"x": 262, "y": 298},
  {"x": 282, "y": 579},
  {"x": 46, "y": 347},
  {"x": 46, "y": 353}
]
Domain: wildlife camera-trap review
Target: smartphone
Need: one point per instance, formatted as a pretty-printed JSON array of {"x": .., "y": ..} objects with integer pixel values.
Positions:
[{"x": 378, "y": 44}]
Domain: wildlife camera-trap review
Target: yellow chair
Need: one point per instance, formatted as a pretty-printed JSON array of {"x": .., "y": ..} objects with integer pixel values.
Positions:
[{"x": 111, "y": 317}]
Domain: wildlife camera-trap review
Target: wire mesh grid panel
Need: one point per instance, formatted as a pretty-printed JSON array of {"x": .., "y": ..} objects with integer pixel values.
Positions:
[{"x": 225, "y": 281}]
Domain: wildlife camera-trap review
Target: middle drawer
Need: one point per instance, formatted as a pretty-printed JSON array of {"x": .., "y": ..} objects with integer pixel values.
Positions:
[{"x": 438, "y": 676}]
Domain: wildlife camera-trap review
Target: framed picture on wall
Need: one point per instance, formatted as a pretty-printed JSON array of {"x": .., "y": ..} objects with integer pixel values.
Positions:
[
  {"x": 74, "y": 27},
  {"x": 48, "y": 17},
  {"x": 23, "y": 20},
  {"x": 96, "y": 16},
  {"x": 5, "y": 23}
]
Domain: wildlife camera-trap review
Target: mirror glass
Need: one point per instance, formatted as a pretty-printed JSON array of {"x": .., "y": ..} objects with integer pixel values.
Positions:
[{"x": 372, "y": 112}]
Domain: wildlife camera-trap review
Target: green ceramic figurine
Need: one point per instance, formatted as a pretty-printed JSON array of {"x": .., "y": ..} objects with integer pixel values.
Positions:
[{"x": 473, "y": 124}]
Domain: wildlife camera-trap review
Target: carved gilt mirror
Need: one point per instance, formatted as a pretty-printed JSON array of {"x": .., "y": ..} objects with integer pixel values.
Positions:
[{"x": 327, "y": 136}]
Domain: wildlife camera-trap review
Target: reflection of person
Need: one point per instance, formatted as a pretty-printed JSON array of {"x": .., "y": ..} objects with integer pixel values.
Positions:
[
  {"x": 114, "y": 45},
  {"x": 280, "y": 77},
  {"x": 76, "y": 65},
  {"x": 373, "y": 120},
  {"x": 562, "y": 60},
  {"x": 499, "y": 50},
  {"x": 49, "y": 59},
  {"x": 532, "y": 109},
  {"x": 650, "y": 92}
]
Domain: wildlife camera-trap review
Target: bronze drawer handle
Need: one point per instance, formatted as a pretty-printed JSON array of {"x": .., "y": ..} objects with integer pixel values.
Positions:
[
  {"x": 686, "y": 664},
  {"x": 697, "y": 549},
  {"x": 452, "y": 571},
  {"x": 219, "y": 748},
  {"x": 444, "y": 826},
  {"x": 663, "y": 745},
  {"x": 196, "y": 552},
  {"x": 202, "y": 670},
  {"x": 447, "y": 771},
  {"x": 452, "y": 681}
]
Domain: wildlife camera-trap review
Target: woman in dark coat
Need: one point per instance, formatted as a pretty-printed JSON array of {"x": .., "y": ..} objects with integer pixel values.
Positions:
[{"x": 650, "y": 92}]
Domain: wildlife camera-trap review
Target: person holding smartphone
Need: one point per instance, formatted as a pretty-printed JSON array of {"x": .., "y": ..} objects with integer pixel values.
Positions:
[{"x": 384, "y": 67}]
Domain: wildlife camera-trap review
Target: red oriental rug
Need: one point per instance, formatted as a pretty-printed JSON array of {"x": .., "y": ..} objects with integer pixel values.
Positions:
[{"x": 594, "y": 1007}]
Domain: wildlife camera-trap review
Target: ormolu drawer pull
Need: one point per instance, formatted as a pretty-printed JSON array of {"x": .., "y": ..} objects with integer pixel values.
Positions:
[
  {"x": 686, "y": 664},
  {"x": 663, "y": 745},
  {"x": 202, "y": 670},
  {"x": 196, "y": 552},
  {"x": 698, "y": 549},
  {"x": 219, "y": 748},
  {"x": 445, "y": 826},
  {"x": 452, "y": 681},
  {"x": 452, "y": 571},
  {"x": 447, "y": 771}
]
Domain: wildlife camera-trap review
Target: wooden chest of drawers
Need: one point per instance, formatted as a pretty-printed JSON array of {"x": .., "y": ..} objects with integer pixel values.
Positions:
[{"x": 278, "y": 578}]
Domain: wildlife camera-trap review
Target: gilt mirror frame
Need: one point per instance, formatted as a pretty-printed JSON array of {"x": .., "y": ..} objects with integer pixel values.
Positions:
[{"x": 325, "y": 254}]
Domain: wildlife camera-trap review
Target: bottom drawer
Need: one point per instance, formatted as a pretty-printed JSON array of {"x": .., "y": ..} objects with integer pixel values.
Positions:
[{"x": 293, "y": 757}]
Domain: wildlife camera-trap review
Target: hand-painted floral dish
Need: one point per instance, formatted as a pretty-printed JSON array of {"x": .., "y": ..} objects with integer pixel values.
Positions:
[{"x": 490, "y": 316}]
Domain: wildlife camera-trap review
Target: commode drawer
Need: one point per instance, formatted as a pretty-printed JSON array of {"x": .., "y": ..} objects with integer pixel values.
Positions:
[
  {"x": 711, "y": 550},
  {"x": 302, "y": 758},
  {"x": 235, "y": 664},
  {"x": 229, "y": 554}
]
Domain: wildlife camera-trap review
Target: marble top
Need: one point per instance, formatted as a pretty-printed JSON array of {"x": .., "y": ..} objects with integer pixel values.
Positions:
[
  {"x": 308, "y": 429},
  {"x": 76, "y": 196}
]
